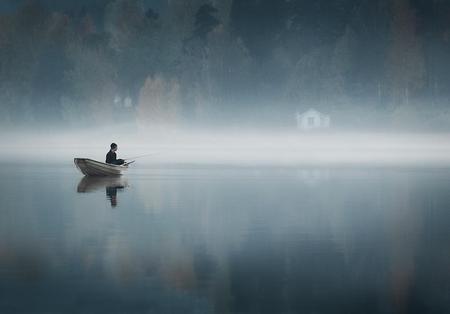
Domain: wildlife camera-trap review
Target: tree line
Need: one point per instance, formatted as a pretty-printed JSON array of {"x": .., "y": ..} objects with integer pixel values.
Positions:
[{"x": 231, "y": 62}]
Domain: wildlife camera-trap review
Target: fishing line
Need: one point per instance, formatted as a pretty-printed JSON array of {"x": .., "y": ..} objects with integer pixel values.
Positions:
[{"x": 141, "y": 156}]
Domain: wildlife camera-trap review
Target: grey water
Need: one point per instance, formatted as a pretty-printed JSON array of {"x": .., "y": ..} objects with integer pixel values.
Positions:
[{"x": 224, "y": 240}]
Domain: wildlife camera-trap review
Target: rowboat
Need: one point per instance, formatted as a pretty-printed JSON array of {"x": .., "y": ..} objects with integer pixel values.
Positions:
[{"x": 90, "y": 167}]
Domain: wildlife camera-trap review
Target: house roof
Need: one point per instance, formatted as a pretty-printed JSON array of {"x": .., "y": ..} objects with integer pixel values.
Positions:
[{"x": 311, "y": 111}]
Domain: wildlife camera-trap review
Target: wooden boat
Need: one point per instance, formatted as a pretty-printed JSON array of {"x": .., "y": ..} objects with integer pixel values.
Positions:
[{"x": 90, "y": 167}]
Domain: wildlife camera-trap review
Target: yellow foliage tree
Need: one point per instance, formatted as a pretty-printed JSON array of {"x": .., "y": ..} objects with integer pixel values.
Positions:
[{"x": 159, "y": 102}]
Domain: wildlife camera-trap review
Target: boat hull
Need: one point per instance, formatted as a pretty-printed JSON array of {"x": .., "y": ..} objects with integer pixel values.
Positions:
[{"x": 93, "y": 168}]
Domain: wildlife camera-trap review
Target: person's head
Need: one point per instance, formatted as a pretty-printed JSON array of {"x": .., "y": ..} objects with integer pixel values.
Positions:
[{"x": 113, "y": 147}]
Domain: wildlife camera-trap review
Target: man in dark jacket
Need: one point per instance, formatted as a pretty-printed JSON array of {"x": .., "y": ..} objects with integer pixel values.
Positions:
[{"x": 111, "y": 157}]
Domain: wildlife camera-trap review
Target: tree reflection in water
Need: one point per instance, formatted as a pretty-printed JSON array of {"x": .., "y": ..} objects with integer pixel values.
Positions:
[{"x": 111, "y": 185}]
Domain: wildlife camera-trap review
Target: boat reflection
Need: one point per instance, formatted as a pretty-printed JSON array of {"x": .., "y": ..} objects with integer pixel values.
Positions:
[{"x": 111, "y": 185}]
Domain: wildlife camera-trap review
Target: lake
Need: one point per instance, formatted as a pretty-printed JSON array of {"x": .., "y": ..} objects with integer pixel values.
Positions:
[{"x": 225, "y": 240}]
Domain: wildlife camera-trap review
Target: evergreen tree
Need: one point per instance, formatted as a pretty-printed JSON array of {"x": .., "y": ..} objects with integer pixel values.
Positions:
[{"x": 205, "y": 21}]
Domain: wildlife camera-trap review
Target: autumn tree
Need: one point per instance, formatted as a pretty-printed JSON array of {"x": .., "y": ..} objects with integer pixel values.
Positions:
[
  {"x": 405, "y": 65},
  {"x": 159, "y": 103}
]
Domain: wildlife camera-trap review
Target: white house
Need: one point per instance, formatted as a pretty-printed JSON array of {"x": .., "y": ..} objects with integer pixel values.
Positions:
[
  {"x": 127, "y": 102},
  {"x": 312, "y": 120}
]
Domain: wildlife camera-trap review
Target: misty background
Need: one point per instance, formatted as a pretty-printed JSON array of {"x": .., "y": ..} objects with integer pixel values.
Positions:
[{"x": 378, "y": 64}]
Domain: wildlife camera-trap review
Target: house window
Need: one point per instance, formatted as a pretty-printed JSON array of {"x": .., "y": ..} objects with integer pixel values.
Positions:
[{"x": 311, "y": 121}]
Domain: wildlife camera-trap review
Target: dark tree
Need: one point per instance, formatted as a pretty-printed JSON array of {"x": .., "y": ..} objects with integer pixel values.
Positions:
[
  {"x": 205, "y": 21},
  {"x": 152, "y": 15}
]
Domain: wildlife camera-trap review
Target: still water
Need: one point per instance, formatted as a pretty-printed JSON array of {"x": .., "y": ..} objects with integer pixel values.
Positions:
[{"x": 224, "y": 240}]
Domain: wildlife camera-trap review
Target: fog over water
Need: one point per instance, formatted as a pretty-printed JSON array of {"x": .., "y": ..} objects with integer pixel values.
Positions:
[{"x": 238, "y": 148}]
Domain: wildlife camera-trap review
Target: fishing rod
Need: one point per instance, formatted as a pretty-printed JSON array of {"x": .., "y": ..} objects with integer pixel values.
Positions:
[
  {"x": 141, "y": 156},
  {"x": 128, "y": 163}
]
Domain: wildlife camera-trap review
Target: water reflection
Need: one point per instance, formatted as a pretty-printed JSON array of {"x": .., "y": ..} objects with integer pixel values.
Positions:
[
  {"x": 228, "y": 242},
  {"x": 111, "y": 184}
]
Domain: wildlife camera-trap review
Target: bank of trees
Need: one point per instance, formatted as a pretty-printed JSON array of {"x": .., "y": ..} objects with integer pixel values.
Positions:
[{"x": 212, "y": 62}]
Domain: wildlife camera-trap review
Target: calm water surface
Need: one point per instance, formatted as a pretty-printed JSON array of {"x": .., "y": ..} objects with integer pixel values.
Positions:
[{"x": 224, "y": 240}]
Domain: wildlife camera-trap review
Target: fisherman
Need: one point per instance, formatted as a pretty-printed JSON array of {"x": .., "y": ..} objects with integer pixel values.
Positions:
[{"x": 111, "y": 157}]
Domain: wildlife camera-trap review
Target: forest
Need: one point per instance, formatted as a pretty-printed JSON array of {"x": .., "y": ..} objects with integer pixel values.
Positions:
[{"x": 370, "y": 64}]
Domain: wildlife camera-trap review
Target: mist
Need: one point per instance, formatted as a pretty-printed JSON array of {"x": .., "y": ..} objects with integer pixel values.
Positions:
[{"x": 241, "y": 148}]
